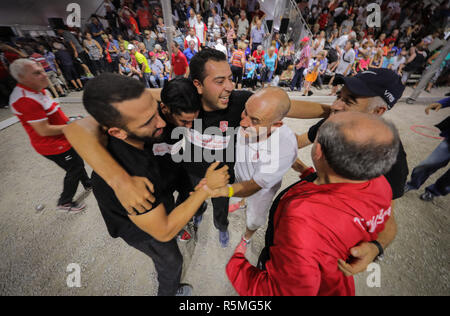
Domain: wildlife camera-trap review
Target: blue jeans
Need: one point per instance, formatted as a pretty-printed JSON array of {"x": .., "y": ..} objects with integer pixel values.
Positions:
[
  {"x": 297, "y": 80},
  {"x": 438, "y": 159}
]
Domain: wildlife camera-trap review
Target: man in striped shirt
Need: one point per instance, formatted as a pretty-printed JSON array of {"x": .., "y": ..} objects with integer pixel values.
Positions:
[{"x": 44, "y": 121}]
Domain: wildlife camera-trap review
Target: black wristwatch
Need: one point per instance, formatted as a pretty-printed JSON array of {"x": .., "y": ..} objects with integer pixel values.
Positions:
[{"x": 380, "y": 255}]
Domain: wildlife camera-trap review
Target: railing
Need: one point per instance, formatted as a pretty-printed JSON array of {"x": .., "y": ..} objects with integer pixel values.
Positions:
[{"x": 297, "y": 27}]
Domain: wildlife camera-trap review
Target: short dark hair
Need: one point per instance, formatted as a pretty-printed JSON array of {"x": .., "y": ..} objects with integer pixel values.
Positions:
[
  {"x": 181, "y": 96},
  {"x": 354, "y": 160},
  {"x": 197, "y": 64},
  {"x": 101, "y": 92}
]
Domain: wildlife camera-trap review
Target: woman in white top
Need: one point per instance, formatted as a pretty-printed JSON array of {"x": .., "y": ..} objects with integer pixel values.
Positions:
[{"x": 318, "y": 44}]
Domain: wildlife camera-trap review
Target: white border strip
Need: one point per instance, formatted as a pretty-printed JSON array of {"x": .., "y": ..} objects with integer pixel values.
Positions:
[{"x": 8, "y": 122}]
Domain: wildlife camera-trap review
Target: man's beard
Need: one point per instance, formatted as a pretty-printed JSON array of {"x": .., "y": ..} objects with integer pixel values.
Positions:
[{"x": 145, "y": 139}]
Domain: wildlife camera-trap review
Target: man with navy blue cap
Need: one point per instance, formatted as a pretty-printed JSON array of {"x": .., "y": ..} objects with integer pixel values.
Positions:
[{"x": 374, "y": 91}]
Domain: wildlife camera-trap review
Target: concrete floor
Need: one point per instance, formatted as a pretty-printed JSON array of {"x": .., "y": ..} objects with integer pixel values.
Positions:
[{"x": 37, "y": 247}]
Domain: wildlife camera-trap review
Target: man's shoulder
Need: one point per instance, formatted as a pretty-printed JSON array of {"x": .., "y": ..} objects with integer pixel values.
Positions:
[{"x": 240, "y": 96}]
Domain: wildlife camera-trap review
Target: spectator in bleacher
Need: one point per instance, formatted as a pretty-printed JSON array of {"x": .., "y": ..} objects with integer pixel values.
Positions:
[
  {"x": 270, "y": 64},
  {"x": 322, "y": 69},
  {"x": 249, "y": 79},
  {"x": 144, "y": 15},
  {"x": 126, "y": 69},
  {"x": 53, "y": 71},
  {"x": 377, "y": 60},
  {"x": 95, "y": 52},
  {"x": 180, "y": 65},
  {"x": 242, "y": 25},
  {"x": 96, "y": 30},
  {"x": 301, "y": 63},
  {"x": 415, "y": 62},
  {"x": 216, "y": 17},
  {"x": 200, "y": 30},
  {"x": 64, "y": 60},
  {"x": 192, "y": 17},
  {"x": 143, "y": 66},
  {"x": 190, "y": 51},
  {"x": 149, "y": 41},
  {"x": 157, "y": 76},
  {"x": 230, "y": 33},
  {"x": 192, "y": 37},
  {"x": 312, "y": 72},
  {"x": 388, "y": 60},
  {"x": 111, "y": 54},
  {"x": 287, "y": 76},
  {"x": 257, "y": 35},
  {"x": 238, "y": 63},
  {"x": 344, "y": 65},
  {"x": 362, "y": 63},
  {"x": 161, "y": 54},
  {"x": 162, "y": 41}
]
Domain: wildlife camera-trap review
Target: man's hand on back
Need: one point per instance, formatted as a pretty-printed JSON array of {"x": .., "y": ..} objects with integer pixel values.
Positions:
[
  {"x": 135, "y": 194},
  {"x": 362, "y": 255}
]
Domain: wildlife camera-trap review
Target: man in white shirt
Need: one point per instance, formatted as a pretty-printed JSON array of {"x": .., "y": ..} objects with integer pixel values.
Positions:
[
  {"x": 200, "y": 29},
  {"x": 344, "y": 65},
  {"x": 219, "y": 46},
  {"x": 243, "y": 25},
  {"x": 265, "y": 151}
]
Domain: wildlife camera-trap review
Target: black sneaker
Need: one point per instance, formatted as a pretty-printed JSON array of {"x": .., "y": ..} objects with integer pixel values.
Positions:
[
  {"x": 71, "y": 208},
  {"x": 407, "y": 188},
  {"x": 427, "y": 196}
]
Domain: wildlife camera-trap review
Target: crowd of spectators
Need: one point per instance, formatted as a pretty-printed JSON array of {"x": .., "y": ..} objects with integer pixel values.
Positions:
[{"x": 129, "y": 37}]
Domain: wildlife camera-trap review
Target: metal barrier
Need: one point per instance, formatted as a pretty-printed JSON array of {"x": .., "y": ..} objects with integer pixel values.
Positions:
[{"x": 297, "y": 27}]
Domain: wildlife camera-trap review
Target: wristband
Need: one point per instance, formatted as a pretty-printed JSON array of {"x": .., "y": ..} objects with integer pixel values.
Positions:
[
  {"x": 230, "y": 191},
  {"x": 380, "y": 255}
]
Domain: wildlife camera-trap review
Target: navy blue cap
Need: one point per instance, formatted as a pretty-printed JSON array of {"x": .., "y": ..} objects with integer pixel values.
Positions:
[{"x": 380, "y": 82}]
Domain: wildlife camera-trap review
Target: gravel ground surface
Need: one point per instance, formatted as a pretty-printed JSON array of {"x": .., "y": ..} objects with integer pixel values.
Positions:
[{"x": 37, "y": 247}]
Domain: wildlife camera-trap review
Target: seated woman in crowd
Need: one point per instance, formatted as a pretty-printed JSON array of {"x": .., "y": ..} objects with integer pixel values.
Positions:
[
  {"x": 250, "y": 76},
  {"x": 377, "y": 60},
  {"x": 286, "y": 76},
  {"x": 126, "y": 69}
]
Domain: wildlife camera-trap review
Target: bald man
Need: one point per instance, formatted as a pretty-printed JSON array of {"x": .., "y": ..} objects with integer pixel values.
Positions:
[
  {"x": 265, "y": 150},
  {"x": 318, "y": 220}
]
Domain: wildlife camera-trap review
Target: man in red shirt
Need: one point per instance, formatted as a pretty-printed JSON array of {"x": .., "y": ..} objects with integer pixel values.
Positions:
[
  {"x": 44, "y": 121},
  {"x": 316, "y": 222},
  {"x": 180, "y": 65}
]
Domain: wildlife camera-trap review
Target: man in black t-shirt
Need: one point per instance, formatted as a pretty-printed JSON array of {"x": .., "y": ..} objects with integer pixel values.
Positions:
[
  {"x": 375, "y": 91},
  {"x": 129, "y": 115}
]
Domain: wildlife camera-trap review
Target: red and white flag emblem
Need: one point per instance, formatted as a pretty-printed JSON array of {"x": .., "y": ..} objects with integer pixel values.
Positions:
[{"x": 223, "y": 126}]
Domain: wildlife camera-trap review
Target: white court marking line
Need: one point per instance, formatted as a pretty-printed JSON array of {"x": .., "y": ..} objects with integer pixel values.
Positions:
[{"x": 8, "y": 122}]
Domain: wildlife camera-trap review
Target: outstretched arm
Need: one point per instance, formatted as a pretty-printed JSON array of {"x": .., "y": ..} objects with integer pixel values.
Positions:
[
  {"x": 308, "y": 110},
  {"x": 87, "y": 139}
]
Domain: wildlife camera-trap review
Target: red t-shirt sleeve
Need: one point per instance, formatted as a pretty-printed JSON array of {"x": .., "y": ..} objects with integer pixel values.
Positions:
[
  {"x": 31, "y": 110},
  {"x": 285, "y": 276}
]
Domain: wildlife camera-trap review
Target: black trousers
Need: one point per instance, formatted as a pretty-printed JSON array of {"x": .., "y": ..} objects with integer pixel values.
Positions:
[
  {"x": 220, "y": 208},
  {"x": 72, "y": 163},
  {"x": 168, "y": 262}
]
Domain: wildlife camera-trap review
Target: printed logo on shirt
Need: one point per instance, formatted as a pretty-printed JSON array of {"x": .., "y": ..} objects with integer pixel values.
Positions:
[
  {"x": 223, "y": 126},
  {"x": 371, "y": 225}
]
